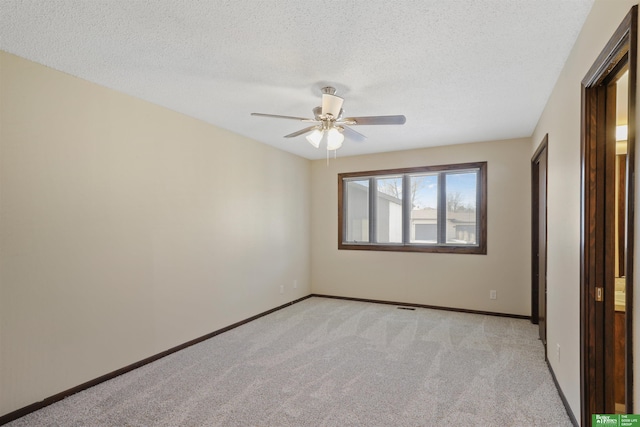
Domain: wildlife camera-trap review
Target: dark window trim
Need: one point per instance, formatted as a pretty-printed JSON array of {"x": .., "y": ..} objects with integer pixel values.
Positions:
[{"x": 480, "y": 249}]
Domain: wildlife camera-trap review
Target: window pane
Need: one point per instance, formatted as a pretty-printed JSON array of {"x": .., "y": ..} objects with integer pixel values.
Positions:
[
  {"x": 424, "y": 209},
  {"x": 462, "y": 227},
  {"x": 389, "y": 210},
  {"x": 357, "y": 211}
]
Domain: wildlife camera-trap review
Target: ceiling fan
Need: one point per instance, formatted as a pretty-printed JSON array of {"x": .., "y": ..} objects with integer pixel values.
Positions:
[{"x": 329, "y": 123}]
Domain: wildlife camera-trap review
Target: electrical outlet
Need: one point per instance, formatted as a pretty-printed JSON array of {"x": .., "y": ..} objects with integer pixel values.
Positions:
[
  {"x": 558, "y": 352},
  {"x": 493, "y": 294},
  {"x": 295, "y": 283},
  {"x": 282, "y": 289}
]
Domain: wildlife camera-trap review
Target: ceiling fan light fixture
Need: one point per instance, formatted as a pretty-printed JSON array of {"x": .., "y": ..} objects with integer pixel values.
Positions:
[
  {"x": 334, "y": 139},
  {"x": 315, "y": 137}
]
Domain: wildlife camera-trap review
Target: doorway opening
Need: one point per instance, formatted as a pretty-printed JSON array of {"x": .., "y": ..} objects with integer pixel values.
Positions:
[
  {"x": 607, "y": 220},
  {"x": 539, "y": 240}
]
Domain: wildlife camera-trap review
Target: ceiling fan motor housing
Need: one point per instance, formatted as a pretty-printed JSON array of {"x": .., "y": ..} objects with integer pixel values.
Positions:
[{"x": 331, "y": 104}]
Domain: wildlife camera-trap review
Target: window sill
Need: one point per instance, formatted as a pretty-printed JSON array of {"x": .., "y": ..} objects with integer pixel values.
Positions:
[{"x": 399, "y": 247}]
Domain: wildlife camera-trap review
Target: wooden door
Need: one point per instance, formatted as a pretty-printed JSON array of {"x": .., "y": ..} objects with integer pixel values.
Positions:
[
  {"x": 539, "y": 239},
  {"x": 542, "y": 247}
]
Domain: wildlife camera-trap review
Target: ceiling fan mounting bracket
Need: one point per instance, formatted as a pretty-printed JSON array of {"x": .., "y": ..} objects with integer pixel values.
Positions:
[{"x": 329, "y": 90}]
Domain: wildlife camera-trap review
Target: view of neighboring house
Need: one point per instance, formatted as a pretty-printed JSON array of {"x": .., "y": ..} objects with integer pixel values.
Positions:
[{"x": 461, "y": 226}]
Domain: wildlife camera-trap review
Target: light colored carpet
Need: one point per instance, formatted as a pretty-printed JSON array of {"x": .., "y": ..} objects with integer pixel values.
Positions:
[{"x": 328, "y": 362}]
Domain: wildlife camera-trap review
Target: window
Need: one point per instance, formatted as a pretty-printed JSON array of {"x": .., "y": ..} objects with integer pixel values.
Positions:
[{"x": 425, "y": 209}]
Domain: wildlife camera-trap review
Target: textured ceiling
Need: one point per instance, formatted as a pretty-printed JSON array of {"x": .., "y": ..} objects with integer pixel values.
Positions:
[{"x": 460, "y": 71}]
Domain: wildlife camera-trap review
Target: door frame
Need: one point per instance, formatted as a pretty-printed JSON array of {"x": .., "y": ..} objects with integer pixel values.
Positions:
[
  {"x": 542, "y": 150},
  {"x": 595, "y": 321}
]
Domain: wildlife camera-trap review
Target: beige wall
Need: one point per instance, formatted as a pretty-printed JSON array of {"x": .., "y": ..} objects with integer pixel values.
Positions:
[
  {"x": 448, "y": 280},
  {"x": 126, "y": 229},
  {"x": 561, "y": 120}
]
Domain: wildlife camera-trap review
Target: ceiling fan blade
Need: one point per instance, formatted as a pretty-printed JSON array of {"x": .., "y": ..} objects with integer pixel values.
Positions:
[
  {"x": 376, "y": 120},
  {"x": 302, "y": 119},
  {"x": 300, "y": 132},
  {"x": 352, "y": 134}
]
